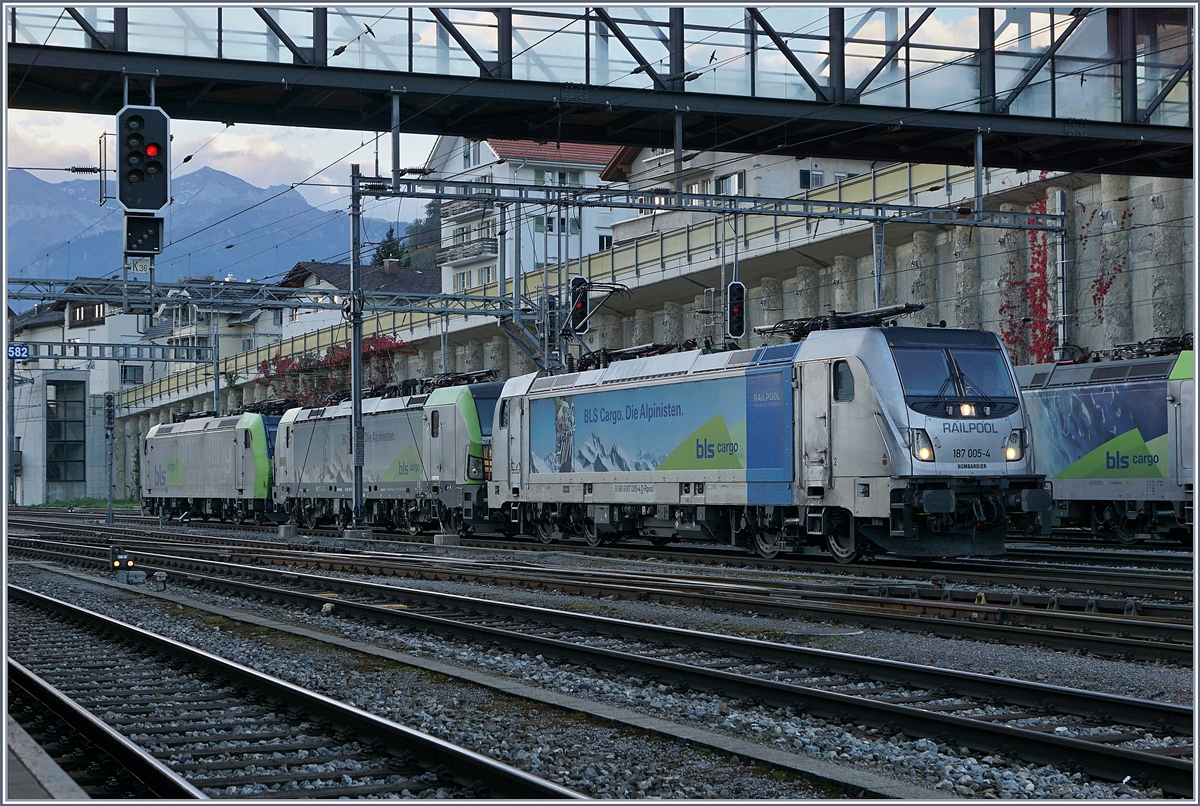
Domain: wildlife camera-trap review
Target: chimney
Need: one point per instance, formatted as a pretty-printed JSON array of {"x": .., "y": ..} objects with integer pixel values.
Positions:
[{"x": 391, "y": 265}]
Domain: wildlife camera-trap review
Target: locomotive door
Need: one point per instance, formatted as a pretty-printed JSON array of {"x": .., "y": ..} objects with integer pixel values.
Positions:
[
  {"x": 239, "y": 459},
  {"x": 814, "y": 408}
]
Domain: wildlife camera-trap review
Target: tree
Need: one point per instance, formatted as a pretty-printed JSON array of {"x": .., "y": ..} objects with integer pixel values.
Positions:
[
  {"x": 388, "y": 248},
  {"x": 423, "y": 237}
]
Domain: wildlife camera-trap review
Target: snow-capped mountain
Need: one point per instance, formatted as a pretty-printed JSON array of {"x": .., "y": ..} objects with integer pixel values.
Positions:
[
  {"x": 59, "y": 230},
  {"x": 595, "y": 456}
]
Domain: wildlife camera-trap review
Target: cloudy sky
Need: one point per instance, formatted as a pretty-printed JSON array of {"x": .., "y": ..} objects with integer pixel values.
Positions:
[{"x": 260, "y": 155}]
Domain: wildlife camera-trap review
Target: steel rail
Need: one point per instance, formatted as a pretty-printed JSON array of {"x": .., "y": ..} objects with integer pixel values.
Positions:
[
  {"x": 1095, "y": 759},
  {"x": 502, "y": 780},
  {"x": 1156, "y": 640},
  {"x": 161, "y": 780}
]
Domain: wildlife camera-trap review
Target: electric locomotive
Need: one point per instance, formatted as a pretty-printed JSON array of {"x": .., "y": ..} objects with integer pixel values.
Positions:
[
  {"x": 859, "y": 438},
  {"x": 210, "y": 467},
  {"x": 424, "y": 460},
  {"x": 1115, "y": 438}
]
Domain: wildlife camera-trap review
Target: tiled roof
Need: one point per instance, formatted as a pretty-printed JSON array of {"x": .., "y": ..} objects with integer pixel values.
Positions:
[
  {"x": 580, "y": 153},
  {"x": 374, "y": 278},
  {"x": 618, "y": 168},
  {"x": 47, "y": 313}
]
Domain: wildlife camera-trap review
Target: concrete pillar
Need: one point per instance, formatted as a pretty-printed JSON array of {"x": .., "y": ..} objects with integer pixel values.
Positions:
[
  {"x": 672, "y": 322},
  {"x": 1011, "y": 297},
  {"x": 1113, "y": 288},
  {"x": 429, "y": 363},
  {"x": 604, "y": 333},
  {"x": 119, "y": 460},
  {"x": 845, "y": 284},
  {"x": 923, "y": 272},
  {"x": 472, "y": 357},
  {"x": 966, "y": 278},
  {"x": 495, "y": 355},
  {"x": 888, "y": 296},
  {"x": 643, "y": 327},
  {"x": 808, "y": 288},
  {"x": 769, "y": 309},
  {"x": 520, "y": 363},
  {"x": 1167, "y": 274}
]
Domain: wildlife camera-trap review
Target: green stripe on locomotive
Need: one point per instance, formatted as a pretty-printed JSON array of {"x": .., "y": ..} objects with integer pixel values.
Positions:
[
  {"x": 1185, "y": 367},
  {"x": 462, "y": 399},
  {"x": 258, "y": 442}
]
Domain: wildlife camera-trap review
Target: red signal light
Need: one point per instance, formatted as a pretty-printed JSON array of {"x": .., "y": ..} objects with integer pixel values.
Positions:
[{"x": 152, "y": 150}]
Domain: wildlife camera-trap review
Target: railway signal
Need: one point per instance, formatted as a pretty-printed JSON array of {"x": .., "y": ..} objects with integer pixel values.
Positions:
[
  {"x": 735, "y": 310},
  {"x": 579, "y": 305},
  {"x": 143, "y": 159}
]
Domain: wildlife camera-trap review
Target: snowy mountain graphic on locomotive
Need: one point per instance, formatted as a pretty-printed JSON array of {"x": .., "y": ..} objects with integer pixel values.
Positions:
[
  {"x": 1115, "y": 437},
  {"x": 858, "y": 436}
]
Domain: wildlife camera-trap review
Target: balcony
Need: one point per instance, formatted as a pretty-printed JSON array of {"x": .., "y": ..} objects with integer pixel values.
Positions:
[
  {"x": 465, "y": 208},
  {"x": 478, "y": 249}
]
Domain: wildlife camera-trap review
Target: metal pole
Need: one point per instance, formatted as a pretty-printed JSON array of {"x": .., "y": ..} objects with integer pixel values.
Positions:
[
  {"x": 724, "y": 284},
  {"x": 517, "y": 273},
  {"x": 501, "y": 248},
  {"x": 978, "y": 173},
  {"x": 108, "y": 450},
  {"x": 356, "y": 304},
  {"x": 12, "y": 431},
  {"x": 216, "y": 340},
  {"x": 1064, "y": 301},
  {"x": 678, "y": 157},
  {"x": 395, "y": 139}
]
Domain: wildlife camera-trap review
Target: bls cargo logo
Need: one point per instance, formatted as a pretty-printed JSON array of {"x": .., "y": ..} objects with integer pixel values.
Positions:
[
  {"x": 1122, "y": 461},
  {"x": 170, "y": 474},
  {"x": 708, "y": 450}
]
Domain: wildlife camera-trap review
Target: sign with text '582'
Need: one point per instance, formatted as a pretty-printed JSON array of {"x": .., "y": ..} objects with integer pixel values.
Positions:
[{"x": 18, "y": 351}]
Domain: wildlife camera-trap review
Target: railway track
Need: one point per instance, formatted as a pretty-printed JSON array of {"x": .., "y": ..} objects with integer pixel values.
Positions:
[
  {"x": 1086, "y": 580},
  {"x": 1158, "y": 632},
  {"x": 230, "y": 731},
  {"x": 1096, "y": 734}
]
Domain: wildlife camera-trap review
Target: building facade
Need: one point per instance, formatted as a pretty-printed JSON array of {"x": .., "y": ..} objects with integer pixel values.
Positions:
[{"x": 532, "y": 238}]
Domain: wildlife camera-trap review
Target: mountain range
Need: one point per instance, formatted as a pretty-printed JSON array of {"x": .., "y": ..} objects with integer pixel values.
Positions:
[{"x": 58, "y": 230}]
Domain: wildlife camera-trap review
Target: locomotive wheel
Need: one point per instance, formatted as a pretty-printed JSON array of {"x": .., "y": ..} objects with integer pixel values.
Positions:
[
  {"x": 1119, "y": 527},
  {"x": 766, "y": 544},
  {"x": 259, "y": 518},
  {"x": 658, "y": 541},
  {"x": 343, "y": 519},
  {"x": 239, "y": 516},
  {"x": 841, "y": 544},
  {"x": 591, "y": 534},
  {"x": 311, "y": 518},
  {"x": 545, "y": 531}
]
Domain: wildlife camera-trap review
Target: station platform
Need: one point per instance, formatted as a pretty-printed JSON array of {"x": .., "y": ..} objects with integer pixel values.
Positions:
[{"x": 32, "y": 774}]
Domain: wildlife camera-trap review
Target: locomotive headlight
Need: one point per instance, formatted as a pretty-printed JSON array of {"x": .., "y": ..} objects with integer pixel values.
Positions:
[
  {"x": 1014, "y": 446},
  {"x": 966, "y": 410},
  {"x": 920, "y": 445},
  {"x": 475, "y": 468}
]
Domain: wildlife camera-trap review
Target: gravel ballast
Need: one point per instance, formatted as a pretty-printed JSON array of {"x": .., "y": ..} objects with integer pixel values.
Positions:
[{"x": 953, "y": 771}]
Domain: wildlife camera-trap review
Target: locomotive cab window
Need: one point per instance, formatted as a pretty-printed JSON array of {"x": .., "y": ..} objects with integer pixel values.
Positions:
[
  {"x": 843, "y": 382},
  {"x": 504, "y": 414},
  {"x": 434, "y": 422}
]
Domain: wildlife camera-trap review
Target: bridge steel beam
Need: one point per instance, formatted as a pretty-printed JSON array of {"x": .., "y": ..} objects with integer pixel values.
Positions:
[{"x": 72, "y": 80}]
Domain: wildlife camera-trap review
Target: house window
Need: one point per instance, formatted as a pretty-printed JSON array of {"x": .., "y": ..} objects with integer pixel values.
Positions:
[
  {"x": 812, "y": 179},
  {"x": 732, "y": 184},
  {"x": 485, "y": 274},
  {"x": 295, "y": 315},
  {"x": 247, "y": 345},
  {"x": 461, "y": 235},
  {"x": 605, "y": 242},
  {"x": 277, "y": 317},
  {"x": 132, "y": 373},
  {"x": 462, "y": 279},
  {"x": 65, "y": 434},
  {"x": 842, "y": 177},
  {"x": 487, "y": 228},
  {"x": 548, "y": 224},
  {"x": 574, "y": 223},
  {"x": 561, "y": 178},
  {"x": 466, "y": 155}
]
